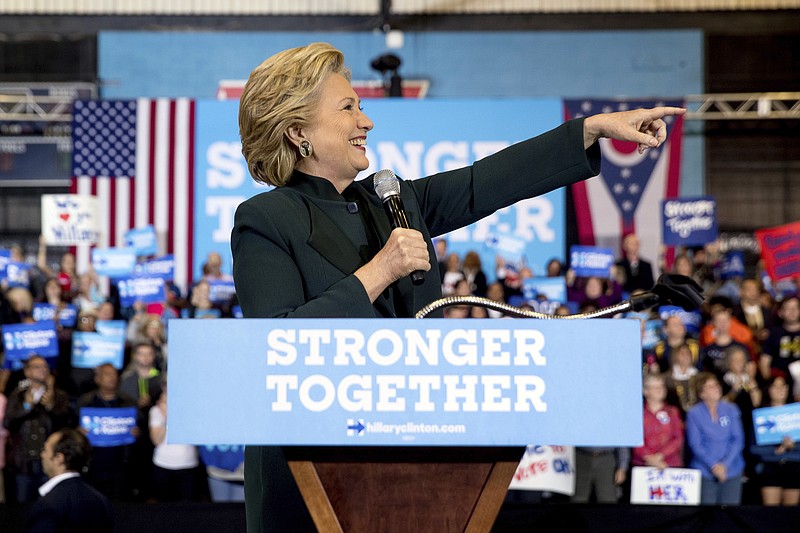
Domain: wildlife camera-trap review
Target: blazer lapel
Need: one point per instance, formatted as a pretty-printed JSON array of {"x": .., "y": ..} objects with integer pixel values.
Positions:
[{"x": 332, "y": 244}]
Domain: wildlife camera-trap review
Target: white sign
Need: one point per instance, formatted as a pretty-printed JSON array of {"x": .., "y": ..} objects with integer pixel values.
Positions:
[
  {"x": 550, "y": 468},
  {"x": 70, "y": 219},
  {"x": 671, "y": 486}
]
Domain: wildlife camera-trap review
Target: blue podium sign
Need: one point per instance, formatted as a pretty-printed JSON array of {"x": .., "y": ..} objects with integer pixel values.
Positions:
[{"x": 489, "y": 382}]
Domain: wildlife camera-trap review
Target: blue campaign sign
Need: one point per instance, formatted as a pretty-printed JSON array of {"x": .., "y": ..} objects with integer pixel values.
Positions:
[
  {"x": 227, "y": 457},
  {"x": 5, "y": 257},
  {"x": 22, "y": 340},
  {"x": 591, "y": 261},
  {"x": 90, "y": 349},
  {"x": 114, "y": 262},
  {"x": 108, "y": 426},
  {"x": 405, "y": 382},
  {"x": 690, "y": 319},
  {"x": 220, "y": 291},
  {"x": 18, "y": 274},
  {"x": 146, "y": 289},
  {"x": 143, "y": 240},
  {"x": 772, "y": 423},
  {"x": 111, "y": 327},
  {"x": 160, "y": 267},
  {"x": 68, "y": 316},
  {"x": 65, "y": 317},
  {"x": 415, "y": 138},
  {"x": 689, "y": 221},
  {"x": 550, "y": 289},
  {"x": 732, "y": 265},
  {"x": 44, "y": 312}
]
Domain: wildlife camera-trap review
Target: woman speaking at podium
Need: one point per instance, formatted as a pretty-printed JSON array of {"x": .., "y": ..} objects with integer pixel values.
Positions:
[{"x": 320, "y": 243}]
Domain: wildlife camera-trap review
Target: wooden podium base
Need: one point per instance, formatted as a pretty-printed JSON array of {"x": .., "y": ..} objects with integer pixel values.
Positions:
[{"x": 403, "y": 489}]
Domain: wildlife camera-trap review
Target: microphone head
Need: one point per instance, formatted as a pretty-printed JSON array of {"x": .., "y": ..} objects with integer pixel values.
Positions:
[{"x": 386, "y": 184}]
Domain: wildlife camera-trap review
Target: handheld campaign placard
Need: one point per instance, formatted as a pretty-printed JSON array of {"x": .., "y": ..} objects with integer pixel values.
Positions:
[
  {"x": 671, "y": 486},
  {"x": 550, "y": 468},
  {"x": 773, "y": 423},
  {"x": 108, "y": 426},
  {"x": 689, "y": 221},
  {"x": 589, "y": 261},
  {"x": 23, "y": 340},
  {"x": 360, "y": 382}
]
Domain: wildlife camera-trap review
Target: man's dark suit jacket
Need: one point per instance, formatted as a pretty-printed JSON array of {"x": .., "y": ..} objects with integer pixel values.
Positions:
[
  {"x": 291, "y": 260},
  {"x": 643, "y": 278},
  {"x": 72, "y": 506}
]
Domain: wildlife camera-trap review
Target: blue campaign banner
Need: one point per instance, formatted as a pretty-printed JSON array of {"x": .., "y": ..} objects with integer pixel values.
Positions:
[
  {"x": 114, "y": 262},
  {"x": 405, "y": 382},
  {"x": 225, "y": 456},
  {"x": 591, "y": 261},
  {"x": 5, "y": 258},
  {"x": 160, "y": 267},
  {"x": 90, "y": 349},
  {"x": 772, "y": 423},
  {"x": 44, "y": 312},
  {"x": 108, "y": 426},
  {"x": 414, "y": 138},
  {"x": 68, "y": 316},
  {"x": 220, "y": 292},
  {"x": 111, "y": 327},
  {"x": 691, "y": 319},
  {"x": 146, "y": 289},
  {"x": 689, "y": 221},
  {"x": 18, "y": 274},
  {"x": 143, "y": 240},
  {"x": 732, "y": 265},
  {"x": 23, "y": 340},
  {"x": 550, "y": 289}
]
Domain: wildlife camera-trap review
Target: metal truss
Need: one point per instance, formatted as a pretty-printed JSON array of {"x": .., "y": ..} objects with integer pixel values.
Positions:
[
  {"x": 41, "y": 102},
  {"x": 743, "y": 106}
]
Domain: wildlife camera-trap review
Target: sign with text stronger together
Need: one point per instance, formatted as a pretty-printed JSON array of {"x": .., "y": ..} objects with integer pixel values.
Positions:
[{"x": 405, "y": 382}]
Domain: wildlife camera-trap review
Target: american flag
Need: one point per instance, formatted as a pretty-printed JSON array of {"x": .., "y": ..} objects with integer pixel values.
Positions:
[
  {"x": 137, "y": 156},
  {"x": 626, "y": 197}
]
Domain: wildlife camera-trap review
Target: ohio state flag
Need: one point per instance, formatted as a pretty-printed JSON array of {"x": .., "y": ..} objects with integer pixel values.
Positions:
[{"x": 626, "y": 196}]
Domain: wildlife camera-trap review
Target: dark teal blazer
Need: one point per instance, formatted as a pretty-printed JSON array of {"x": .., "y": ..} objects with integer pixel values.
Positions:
[{"x": 291, "y": 260}]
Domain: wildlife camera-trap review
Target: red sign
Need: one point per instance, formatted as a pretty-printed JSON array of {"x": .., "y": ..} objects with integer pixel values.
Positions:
[{"x": 780, "y": 250}]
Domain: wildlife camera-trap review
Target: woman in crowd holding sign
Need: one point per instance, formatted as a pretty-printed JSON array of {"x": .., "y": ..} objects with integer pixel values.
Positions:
[
  {"x": 320, "y": 244},
  {"x": 716, "y": 438},
  {"x": 778, "y": 465}
]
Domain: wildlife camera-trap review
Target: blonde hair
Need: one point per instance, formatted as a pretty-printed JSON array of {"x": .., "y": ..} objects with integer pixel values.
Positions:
[{"x": 282, "y": 92}]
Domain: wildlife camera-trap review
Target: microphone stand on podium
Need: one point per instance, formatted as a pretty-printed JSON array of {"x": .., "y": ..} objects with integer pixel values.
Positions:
[{"x": 433, "y": 488}]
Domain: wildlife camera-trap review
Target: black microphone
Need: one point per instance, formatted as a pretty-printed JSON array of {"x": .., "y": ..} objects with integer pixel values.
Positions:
[{"x": 388, "y": 188}]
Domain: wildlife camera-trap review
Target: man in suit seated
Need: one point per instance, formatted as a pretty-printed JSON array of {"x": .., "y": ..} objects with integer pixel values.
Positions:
[{"x": 67, "y": 503}]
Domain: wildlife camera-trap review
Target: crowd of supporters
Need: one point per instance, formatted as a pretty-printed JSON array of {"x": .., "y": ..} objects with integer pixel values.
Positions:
[{"x": 703, "y": 374}]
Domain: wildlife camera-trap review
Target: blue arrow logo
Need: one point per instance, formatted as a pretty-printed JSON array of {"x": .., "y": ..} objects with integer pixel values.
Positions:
[{"x": 355, "y": 427}]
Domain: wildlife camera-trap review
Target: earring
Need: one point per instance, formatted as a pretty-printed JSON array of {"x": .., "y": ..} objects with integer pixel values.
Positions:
[{"x": 306, "y": 149}]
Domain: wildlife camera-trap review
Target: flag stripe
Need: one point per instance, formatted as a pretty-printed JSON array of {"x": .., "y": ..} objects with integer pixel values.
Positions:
[
  {"x": 143, "y": 172},
  {"x": 170, "y": 222},
  {"x": 189, "y": 218}
]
